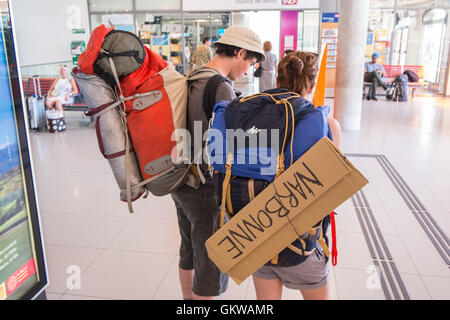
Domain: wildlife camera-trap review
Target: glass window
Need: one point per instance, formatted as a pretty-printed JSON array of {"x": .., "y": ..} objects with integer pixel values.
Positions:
[
  {"x": 158, "y": 5},
  {"x": 434, "y": 23},
  {"x": 310, "y": 32},
  {"x": 111, "y": 5},
  {"x": 123, "y": 22},
  {"x": 434, "y": 16},
  {"x": 161, "y": 32}
]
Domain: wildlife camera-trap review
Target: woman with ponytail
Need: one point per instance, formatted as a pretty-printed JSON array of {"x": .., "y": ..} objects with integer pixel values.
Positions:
[
  {"x": 297, "y": 73},
  {"x": 304, "y": 264}
]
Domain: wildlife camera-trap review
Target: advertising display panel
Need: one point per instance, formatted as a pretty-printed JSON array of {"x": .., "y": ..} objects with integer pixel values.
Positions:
[{"x": 22, "y": 262}]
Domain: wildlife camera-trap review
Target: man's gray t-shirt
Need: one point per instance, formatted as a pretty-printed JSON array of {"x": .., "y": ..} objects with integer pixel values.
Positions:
[
  {"x": 196, "y": 117},
  {"x": 374, "y": 67}
]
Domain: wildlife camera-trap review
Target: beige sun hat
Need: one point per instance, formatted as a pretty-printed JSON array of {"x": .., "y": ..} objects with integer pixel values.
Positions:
[{"x": 242, "y": 37}]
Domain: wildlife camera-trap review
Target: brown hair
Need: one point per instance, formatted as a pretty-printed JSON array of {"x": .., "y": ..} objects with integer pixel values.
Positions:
[
  {"x": 267, "y": 46},
  {"x": 297, "y": 71}
]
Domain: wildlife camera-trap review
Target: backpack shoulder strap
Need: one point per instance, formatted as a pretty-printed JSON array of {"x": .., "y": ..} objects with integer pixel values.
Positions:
[{"x": 209, "y": 93}]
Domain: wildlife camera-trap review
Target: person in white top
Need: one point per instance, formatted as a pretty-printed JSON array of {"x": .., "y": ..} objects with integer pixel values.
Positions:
[
  {"x": 61, "y": 92},
  {"x": 268, "y": 68}
]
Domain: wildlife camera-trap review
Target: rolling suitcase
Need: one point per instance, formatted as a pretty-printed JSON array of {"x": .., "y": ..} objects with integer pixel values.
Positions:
[{"x": 36, "y": 107}]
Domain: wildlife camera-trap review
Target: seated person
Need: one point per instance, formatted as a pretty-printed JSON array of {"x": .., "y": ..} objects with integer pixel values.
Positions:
[
  {"x": 61, "y": 92},
  {"x": 374, "y": 72}
]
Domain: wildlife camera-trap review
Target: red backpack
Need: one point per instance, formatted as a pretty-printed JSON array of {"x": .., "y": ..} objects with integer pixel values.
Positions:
[{"x": 150, "y": 101}]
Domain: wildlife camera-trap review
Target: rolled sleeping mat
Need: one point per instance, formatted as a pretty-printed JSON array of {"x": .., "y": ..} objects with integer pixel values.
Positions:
[{"x": 110, "y": 134}]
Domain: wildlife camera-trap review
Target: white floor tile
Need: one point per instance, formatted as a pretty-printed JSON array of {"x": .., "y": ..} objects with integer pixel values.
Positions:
[
  {"x": 443, "y": 196},
  {"x": 234, "y": 291},
  {"x": 125, "y": 275},
  {"x": 53, "y": 296},
  {"x": 108, "y": 203},
  {"x": 88, "y": 231},
  {"x": 415, "y": 287},
  {"x": 442, "y": 219},
  {"x": 75, "y": 297},
  {"x": 382, "y": 220},
  {"x": 425, "y": 257},
  {"x": 143, "y": 235},
  {"x": 51, "y": 221},
  {"x": 170, "y": 288},
  {"x": 401, "y": 257},
  {"x": 347, "y": 220},
  {"x": 390, "y": 197},
  {"x": 353, "y": 285},
  {"x": 352, "y": 251},
  {"x": 372, "y": 196},
  {"x": 59, "y": 259},
  {"x": 438, "y": 287},
  {"x": 61, "y": 200},
  {"x": 429, "y": 201},
  {"x": 405, "y": 222},
  {"x": 160, "y": 208}
]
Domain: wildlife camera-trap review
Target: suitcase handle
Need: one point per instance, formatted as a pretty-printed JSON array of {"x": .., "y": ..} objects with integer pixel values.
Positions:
[{"x": 37, "y": 81}]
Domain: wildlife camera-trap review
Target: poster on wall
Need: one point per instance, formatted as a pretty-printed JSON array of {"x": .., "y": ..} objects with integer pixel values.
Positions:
[
  {"x": 22, "y": 265},
  {"x": 329, "y": 35},
  {"x": 289, "y": 42}
]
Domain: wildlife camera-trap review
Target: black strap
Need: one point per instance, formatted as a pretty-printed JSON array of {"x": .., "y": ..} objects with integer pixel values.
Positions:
[
  {"x": 131, "y": 53},
  {"x": 209, "y": 93}
]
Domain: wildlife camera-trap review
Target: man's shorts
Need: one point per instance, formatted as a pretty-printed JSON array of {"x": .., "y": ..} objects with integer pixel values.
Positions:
[
  {"x": 311, "y": 274},
  {"x": 197, "y": 211}
]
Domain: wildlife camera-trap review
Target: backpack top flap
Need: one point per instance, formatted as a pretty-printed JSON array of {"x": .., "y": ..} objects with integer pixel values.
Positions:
[
  {"x": 263, "y": 112},
  {"x": 127, "y": 52},
  {"x": 252, "y": 122},
  {"x": 89, "y": 56}
]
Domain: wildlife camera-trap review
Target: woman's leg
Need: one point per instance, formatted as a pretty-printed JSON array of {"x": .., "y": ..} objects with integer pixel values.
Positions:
[
  {"x": 322, "y": 293},
  {"x": 49, "y": 103},
  {"x": 59, "y": 105},
  {"x": 268, "y": 289}
]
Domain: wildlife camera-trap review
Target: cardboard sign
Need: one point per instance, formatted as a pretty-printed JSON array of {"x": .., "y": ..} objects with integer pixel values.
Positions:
[{"x": 317, "y": 183}]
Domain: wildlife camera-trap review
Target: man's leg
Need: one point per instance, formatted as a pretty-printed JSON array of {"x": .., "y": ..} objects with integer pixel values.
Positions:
[
  {"x": 186, "y": 264},
  {"x": 199, "y": 208},
  {"x": 374, "y": 88},
  {"x": 186, "y": 281},
  {"x": 380, "y": 81}
]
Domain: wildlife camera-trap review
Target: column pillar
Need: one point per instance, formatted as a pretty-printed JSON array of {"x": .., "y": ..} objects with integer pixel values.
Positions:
[{"x": 353, "y": 19}]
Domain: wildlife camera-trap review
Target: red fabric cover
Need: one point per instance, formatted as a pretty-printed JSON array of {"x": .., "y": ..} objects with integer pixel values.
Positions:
[
  {"x": 152, "y": 64},
  {"x": 87, "y": 59},
  {"x": 150, "y": 129}
]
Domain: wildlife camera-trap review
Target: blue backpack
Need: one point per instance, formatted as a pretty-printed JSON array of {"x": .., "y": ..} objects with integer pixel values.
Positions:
[{"x": 271, "y": 130}]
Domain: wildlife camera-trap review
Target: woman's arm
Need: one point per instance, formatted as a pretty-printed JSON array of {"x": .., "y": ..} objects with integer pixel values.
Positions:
[
  {"x": 74, "y": 87},
  {"x": 49, "y": 94}
]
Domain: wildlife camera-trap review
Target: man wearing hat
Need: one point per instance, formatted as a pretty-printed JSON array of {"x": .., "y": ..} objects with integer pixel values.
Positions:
[
  {"x": 374, "y": 72},
  {"x": 237, "y": 50}
]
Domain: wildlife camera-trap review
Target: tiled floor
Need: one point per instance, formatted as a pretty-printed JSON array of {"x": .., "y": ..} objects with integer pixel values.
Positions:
[{"x": 123, "y": 256}]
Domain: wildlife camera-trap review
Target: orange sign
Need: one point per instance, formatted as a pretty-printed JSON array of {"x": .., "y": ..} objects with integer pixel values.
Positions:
[{"x": 319, "y": 90}]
